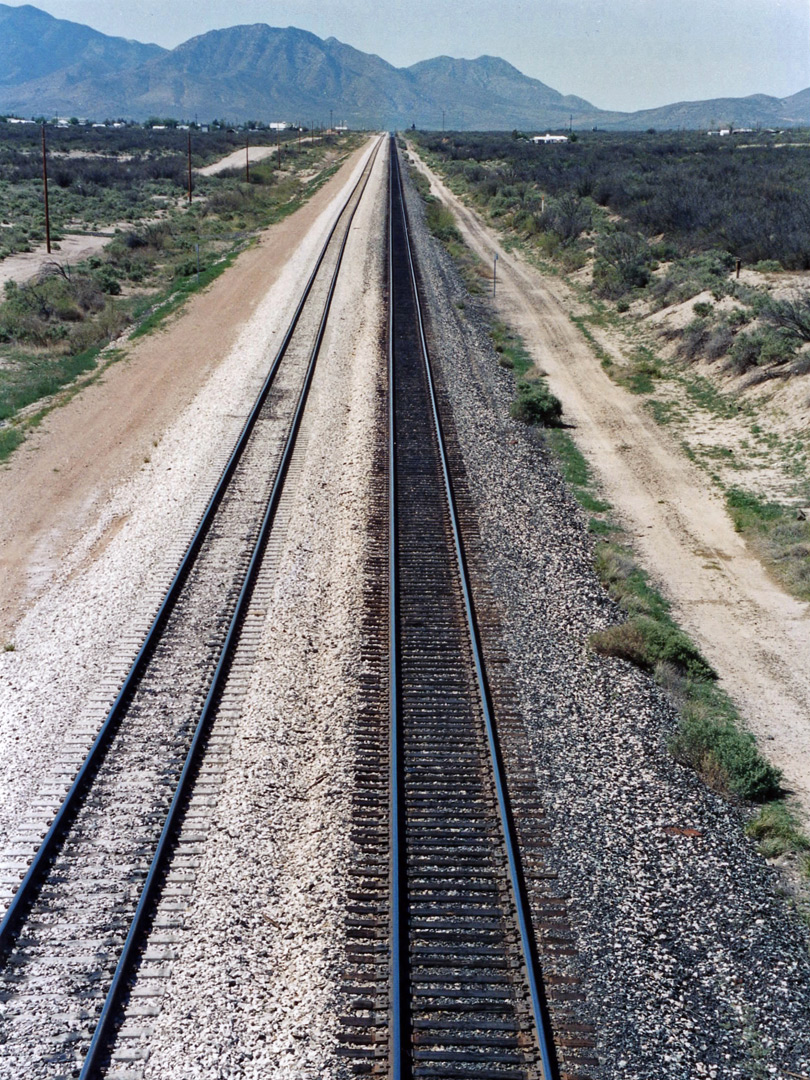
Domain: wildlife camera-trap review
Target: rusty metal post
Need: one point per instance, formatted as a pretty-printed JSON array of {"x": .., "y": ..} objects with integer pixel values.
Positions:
[
  {"x": 739, "y": 267},
  {"x": 45, "y": 188}
]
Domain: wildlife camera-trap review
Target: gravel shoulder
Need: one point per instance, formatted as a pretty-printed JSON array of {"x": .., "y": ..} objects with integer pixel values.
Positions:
[
  {"x": 754, "y": 634},
  {"x": 99, "y": 505},
  {"x": 691, "y": 958}
]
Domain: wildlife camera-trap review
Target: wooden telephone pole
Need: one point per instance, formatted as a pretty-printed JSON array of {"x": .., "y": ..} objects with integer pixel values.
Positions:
[
  {"x": 45, "y": 188},
  {"x": 189, "y": 169}
]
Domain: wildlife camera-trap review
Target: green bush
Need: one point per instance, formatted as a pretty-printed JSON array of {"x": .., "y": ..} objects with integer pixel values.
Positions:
[
  {"x": 622, "y": 263},
  {"x": 726, "y": 756},
  {"x": 646, "y": 641},
  {"x": 776, "y": 831},
  {"x": 535, "y": 404},
  {"x": 441, "y": 222},
  {"x": 761, "y": 348}
]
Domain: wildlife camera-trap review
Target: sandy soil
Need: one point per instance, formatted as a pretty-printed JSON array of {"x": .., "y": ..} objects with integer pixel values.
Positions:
[
  {"x": 55, "y": 483},
  {"x": 71, "y": 248},
  {"x": 236, "y": 160},
  {"x": 755, "y": 634}
]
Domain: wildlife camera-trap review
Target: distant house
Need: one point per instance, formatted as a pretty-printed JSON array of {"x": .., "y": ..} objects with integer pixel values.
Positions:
[
  {"x": 278, "y": 125},
  {"x": 549, "y": 138}
]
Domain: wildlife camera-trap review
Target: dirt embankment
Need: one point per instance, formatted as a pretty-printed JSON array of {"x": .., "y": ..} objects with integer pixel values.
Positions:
[{"x": 756, "y": 636}]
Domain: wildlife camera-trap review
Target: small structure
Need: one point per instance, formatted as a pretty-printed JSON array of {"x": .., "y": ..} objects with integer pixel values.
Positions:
[
  {"x": 278, "y": 125},
  {"x": 549, "y": 138}
]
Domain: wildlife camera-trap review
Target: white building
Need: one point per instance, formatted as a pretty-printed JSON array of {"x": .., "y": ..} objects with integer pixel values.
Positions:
[{"x": 549, "y": 138}]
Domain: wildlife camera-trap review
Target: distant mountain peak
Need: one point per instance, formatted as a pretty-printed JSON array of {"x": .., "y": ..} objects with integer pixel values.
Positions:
[{"x": 254, "y": 71}]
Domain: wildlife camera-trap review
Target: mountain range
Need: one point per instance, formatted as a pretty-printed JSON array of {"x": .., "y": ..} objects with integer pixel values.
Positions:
[{"x": 52, "y": 66}]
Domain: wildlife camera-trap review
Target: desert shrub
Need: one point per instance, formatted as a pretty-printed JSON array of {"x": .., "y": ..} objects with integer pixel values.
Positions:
[
  {"x": 646, "y": 641},
  {"x": 768, "y": 266},
  {"x": 702, "y": 309},
  {"x": 725, "y": 755},
  {"x": 792, "y": 315},
  {"x": 535, "y": 404},
  {"x": 694, "y": 339},
  {"x": 760, "y": 348},
  {"x": 622, "y": 263},
  {"x": 718, "y": 342},
  {"x": 738, "y": 317},
  {"x": 441, "y": 222},
  {"x": 567, "y": 216}
]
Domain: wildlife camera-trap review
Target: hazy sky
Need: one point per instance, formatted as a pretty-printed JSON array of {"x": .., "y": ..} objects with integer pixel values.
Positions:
[{"x": 620, "y": 54}]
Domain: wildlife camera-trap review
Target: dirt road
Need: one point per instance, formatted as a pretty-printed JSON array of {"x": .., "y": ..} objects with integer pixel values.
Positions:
[{"x": 756, "y": 636}]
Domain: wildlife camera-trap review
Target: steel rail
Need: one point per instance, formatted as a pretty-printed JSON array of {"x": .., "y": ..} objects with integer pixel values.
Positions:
[
  {"x": 528, "y": 946},
  {"x": 399, "y": 1007},
  {"x": 151, "y": 885},
  {"x": 24, "y": 895}
]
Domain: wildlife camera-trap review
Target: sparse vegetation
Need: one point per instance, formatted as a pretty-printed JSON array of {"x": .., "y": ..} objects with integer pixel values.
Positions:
[
  {"x": 53, "y": 327},
  {"x": 779, "y": 533},
  {"x": 710, "y": 737}
]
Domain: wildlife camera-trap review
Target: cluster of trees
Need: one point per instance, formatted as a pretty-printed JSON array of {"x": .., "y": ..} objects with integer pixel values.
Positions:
[{"x": 700, "y": 193}]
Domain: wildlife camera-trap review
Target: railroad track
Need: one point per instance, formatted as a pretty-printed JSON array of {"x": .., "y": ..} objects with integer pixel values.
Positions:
[
  {"x": 73, "y": 929},
  {"x": 438, "y": 865}
]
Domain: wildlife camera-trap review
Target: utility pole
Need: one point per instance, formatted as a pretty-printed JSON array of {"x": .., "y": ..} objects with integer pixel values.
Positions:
[
  {"x": 45, "y": 188},
  {"x": 278, "y": 145},
  {"x": 190, "y": 189},
  {"x": 247, "y": 158},
  {"x": 442, "y": 121},
  {"x": 331, "y": 125},
  {"x": 494, "y": 272}
]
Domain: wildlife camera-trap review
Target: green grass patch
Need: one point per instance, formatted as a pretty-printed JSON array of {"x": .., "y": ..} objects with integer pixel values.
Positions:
[
  {"x": 778, "y": 535},
  {"x": 749, "y": 510},
  {"x": 710, "y": 740},
  {"x": 511, "y": 349},
  {"x": 183, "y": 292},
  {"x": 640, "y": 375},
  {"x": 706, "y": 395},
  {"x": 578, "y": 476},
  {"x": 10, "y": 439},
  {"x": 31, "y": 378},
  {"x": 710, "y": 737},
  {"x": 664, "y": 412},
  {"x": 778, "y": 832},
  {"x": 646, "y": 642}
]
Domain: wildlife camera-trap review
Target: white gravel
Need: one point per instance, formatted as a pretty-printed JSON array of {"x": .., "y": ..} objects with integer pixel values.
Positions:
[
  {"x": 253, "y": 989},
  {"x": 74, "y": 645}
]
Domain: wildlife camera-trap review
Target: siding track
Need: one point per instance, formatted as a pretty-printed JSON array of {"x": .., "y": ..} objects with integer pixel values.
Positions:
[{"x": 72, "y": 930}]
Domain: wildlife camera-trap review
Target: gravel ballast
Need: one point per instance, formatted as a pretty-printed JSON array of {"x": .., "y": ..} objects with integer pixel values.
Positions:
[
  {"x": 254, "y": 984},
  {"x": 692, "y": 961},
  {"x": 76, "y": 642}
]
